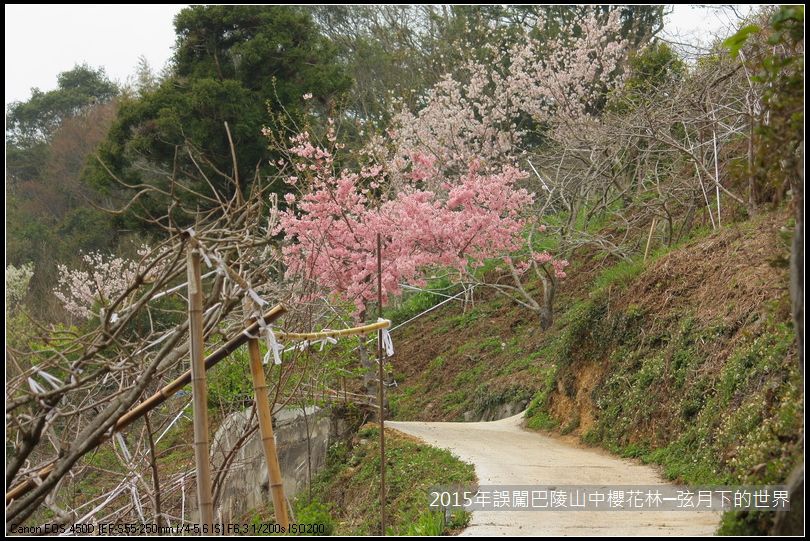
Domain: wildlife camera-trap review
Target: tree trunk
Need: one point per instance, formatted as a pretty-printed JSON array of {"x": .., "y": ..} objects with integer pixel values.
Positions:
[
  {"x": 792, "y": 522},
  {"x": 547, "y": 310},
  {"x": 369, "y": 370},
  {"x": 797, "y": 261}
]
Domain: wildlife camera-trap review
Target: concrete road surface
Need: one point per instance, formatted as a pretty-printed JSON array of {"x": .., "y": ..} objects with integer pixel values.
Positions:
[{"x": 504, "y": 453}]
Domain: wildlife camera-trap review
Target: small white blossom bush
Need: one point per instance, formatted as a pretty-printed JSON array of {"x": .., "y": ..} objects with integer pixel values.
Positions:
[
  {"x": 103, "y": 279},
  {"x": 17, "y": 281}
]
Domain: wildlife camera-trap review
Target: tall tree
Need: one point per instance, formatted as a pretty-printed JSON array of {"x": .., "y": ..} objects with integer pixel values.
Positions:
[
  {"x": 48, "y": 140},
  {"x": 231, "y": 63},
  {"x": 31, "y": 124}
]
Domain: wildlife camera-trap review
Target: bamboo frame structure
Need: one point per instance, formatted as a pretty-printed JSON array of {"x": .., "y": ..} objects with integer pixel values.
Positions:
[
  {"x": 319, "y": 335},
  {"x": 158, "y": 398},
  {"x": 268, "y": 438},
  {"x": 199, "y": 393},
  {"x": 184, "y": 379}
]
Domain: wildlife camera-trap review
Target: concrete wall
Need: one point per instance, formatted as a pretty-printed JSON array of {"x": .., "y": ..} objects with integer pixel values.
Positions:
[
  {"x": 496, "y": 412},
  {"x": 247, "y": 484}
]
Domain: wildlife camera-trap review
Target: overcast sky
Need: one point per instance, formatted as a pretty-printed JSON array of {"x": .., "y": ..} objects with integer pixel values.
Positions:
[{"x": 45, "y": 40}]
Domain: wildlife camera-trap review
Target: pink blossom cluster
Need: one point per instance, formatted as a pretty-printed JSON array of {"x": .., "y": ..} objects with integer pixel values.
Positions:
[
  {"x": 538, "y": 259},
  {"x": 448, "y": 192},
  {"x": 480, "y": 112},
  {"x": 331, "y": 230}
]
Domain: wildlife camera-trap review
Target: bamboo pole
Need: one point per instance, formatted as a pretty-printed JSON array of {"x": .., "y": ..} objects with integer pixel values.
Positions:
[
  {"x": 351, "y": 331},
  {"x": 649, "y": 238},
  {"x": 202, "y": 457},
  {"x": 268, "y": 438},
  {"x": 381, "y": 387},
  {"x": 158, "y": 398},
  {"x": 716, "y": 168}
]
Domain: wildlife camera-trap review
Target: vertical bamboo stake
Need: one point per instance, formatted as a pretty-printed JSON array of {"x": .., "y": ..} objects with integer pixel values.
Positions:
[
  {"x": 381, "y": 388},
  {"x": 268, "y": 438},
  {"x": 716, "y": 167},
  {"x": 716, "y": 175},
  {"x": 199, "y": 392},
  {"x": 649, "y": 238}
]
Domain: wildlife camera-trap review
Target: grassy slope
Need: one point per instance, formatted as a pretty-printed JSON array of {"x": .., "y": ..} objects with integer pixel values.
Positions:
[
  {"x": 456, "y": 360},
  {"x": 345, "y": 496},
  {"x": 687, "y": 360}
]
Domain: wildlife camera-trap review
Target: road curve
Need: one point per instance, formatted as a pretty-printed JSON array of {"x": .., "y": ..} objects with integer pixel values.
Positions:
[{"x": 504, "y": 453}]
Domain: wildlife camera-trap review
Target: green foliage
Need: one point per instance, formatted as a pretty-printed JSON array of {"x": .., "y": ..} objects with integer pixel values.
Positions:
[
  {"x": 712, "y": 402},
  {"x": 537, "y": 415},
  {"x": 745, "y": 523},
  {"x": 459, "y": 519},
  {"x": 431, "y": 524},
  {"x": 229, "y": 383},
  {"x": 650, "y": 71},
  {"x": 412, "y": 304},
  {"x": 735, "y": 42},
  {"x": 465, "y": 318},
  {"x": 413, "y": 468},
  {"x": 436, "y": 523},
  {"x": 85, "y": 229},
  {"x": 47, "y": 140},
  {"x": 745, "y": 416},
  {"x": 619, "y": 275},
  {"x": 775, "y": 57},
  {"x": 542, "y": 420},
  {"x": 386, "y": 57},
  {"x": 231, "y": 63},
  {"x": 257, "y": 520},
  {"x": 314, "y": 512},
  {"x": 788, "y": 25},
  {"x": 35, "y": 120}
]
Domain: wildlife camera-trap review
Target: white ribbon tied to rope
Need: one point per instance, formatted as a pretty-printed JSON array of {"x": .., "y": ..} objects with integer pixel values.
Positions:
[
  {"x": 387, "y": 343},
  {"x": 324, "y": 341},
  {"x": 256, "y": 298},
  {"x": 304, "y": 345},
  {"x": 273, "y": 347},
  {"x": 218, "y": 265}
]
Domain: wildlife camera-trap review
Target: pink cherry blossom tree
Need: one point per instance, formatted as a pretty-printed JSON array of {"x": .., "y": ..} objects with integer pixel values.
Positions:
[
  {"x": 490, "y": 111},
  {"x": 331, "y": 224},
  {"x": 443, "y": 185},
  {"x": 486, "y": 109}
]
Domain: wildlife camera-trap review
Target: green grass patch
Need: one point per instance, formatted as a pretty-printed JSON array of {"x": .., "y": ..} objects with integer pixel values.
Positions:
[
  {"x": 413, "y": 303},
  {"x": 346, "y": 489}
]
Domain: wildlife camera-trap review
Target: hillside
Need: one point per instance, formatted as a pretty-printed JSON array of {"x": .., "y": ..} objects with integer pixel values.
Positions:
[{"x": 687, "y": 360}]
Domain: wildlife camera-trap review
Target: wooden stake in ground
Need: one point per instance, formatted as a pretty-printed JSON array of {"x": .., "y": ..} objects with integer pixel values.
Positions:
[
  {"x": 381, "y": 387},
  {"x": 649, "y": 238},
  {"x": 199, "y": 392},
  {"x": 266, "y": 430}
]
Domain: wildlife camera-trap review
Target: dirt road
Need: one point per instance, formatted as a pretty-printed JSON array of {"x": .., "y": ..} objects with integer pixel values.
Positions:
[{"x": 506, "y": 454}]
